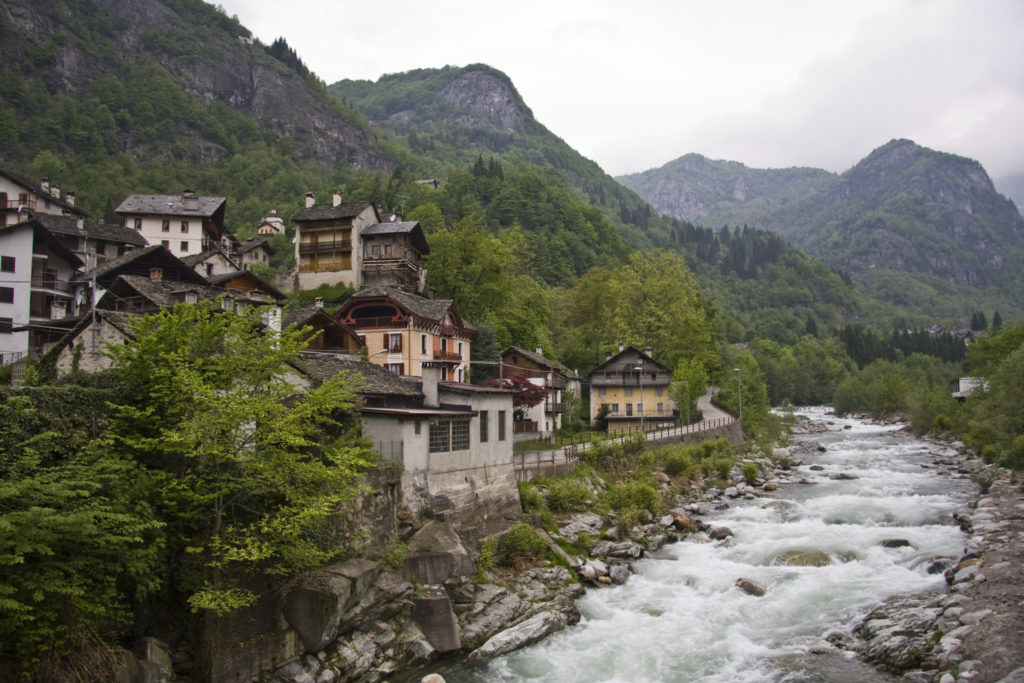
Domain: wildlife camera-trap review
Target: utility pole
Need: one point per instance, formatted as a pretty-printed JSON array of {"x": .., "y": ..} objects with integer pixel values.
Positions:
[{"x": 739, "y": 391}]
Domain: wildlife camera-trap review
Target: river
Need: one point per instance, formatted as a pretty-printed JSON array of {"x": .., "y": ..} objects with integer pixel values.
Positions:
[{"x": 681, "y": 618}]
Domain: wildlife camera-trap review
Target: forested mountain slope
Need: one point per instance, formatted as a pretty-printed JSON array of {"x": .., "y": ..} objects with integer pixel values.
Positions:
[{"x": 913, "y": 226}]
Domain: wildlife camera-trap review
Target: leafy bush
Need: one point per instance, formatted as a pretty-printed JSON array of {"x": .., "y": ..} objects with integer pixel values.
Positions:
[
  {"x": 520, "y": 546},
  {"x": 394, "y": 554},
  {"x": 633, "y": 495},
  {"x": 529, "y": 497},
  {"x": 567, "y": 495},
  {"x": 488, "y": 555},
  {"x": 750, "y": 472},
  {"x": 680, "y": 462}
]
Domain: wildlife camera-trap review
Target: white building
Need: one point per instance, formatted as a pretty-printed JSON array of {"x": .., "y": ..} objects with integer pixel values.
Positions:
[{"x": 186, "y": 224}]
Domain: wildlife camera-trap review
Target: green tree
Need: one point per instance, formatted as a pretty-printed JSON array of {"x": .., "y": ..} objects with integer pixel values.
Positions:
[
  {"x": 250, "y": 475},
  {"x": 689, "y": 381}
]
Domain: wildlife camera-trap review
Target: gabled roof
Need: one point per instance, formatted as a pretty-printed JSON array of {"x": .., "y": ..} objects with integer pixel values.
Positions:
[
  {"x": 630, "y": 350},
  {"x": 377, "y": 380},
  {"x": 431, "y": 309},
  {"x": 166, "y": 294},
  {"x": 247, "y": 275},
  {"x": 301, "y": 316},
  {"x": 68, "y": 225},
  {"x": 38, "y": 189},
  {"x": 255, "y": 243},
  {"x": 169, "y": 205},
  {"x": 140, "y": 262},
  {"x": 194, "y": 260},
  {"x": 410, "y": 228},
  {"x": 540, "y": 360},
  {"x": 323, "y": 212}
]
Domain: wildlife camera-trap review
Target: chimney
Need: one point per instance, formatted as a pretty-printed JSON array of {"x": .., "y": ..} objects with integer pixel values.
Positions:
[
  {"x": 189, "y": 200},
  {"x": 156, "y": 274},
  {"x": 69, "y": 198},
  {"x": 310, "y": 200},
  {"x": 622, "y": 347},
  {"x": 55, "y": 191},
  {"x": 318, "y": 302},
  {"x": 648, "y": 351},
  {"x": 607, "y": 355},
  {"x": 540, "y": 350},
  {"x": 44, "y": 185},
  {"x": 336, "y": 201},
  {"x": 80, "y": 224},
  {"x": 431, "y": 376}
]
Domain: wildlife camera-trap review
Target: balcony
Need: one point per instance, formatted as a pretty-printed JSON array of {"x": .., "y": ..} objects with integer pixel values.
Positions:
[
  {"x": 448, "y": 356},
  {"x": 322, "y": 245},
  {"x": 554, "y": 407},
  {"x": 51, "y": 283},
  {"x": 557, "y": 382},
  {"x": 10, "y": 203}
]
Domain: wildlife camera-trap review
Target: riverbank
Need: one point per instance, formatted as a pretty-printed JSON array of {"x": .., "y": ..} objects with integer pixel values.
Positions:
[{"x": 974, "y": 631}]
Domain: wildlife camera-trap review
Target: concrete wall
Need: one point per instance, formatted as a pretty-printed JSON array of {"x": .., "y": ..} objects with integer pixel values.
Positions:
[
  {"x": 16, "y": 242},
  {"x": 152, "y": 230}
]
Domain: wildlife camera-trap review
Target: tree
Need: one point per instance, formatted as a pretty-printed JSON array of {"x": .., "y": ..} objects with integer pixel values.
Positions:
[
  {"x": 251, "y": 474},
  {"x": 527, "y": 394},
  {"x": 689, "y": 381}
]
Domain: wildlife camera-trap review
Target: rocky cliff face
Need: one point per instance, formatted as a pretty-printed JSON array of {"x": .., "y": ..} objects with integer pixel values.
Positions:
[
  {"x": 483, "y": 100},
  {"x": 211, "y": 63}
]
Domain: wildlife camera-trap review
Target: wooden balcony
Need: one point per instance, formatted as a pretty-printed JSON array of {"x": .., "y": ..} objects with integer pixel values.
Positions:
[
  {"x": 446, "y": 355},
  {"x": 550, "y": 407},
  {"x": 51, "y": 283},
  {"x": 321, "y": 246}
]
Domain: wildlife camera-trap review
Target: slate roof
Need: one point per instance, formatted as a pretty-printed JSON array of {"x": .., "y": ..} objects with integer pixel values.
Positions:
[
  {"x": 254, "y": 243},
  {"x": 378, "y": 381},
  {"x": 301, "y": 315},
  {"x": 68, "y": 225},
  {"x": 38, "y": 189},
  {"x": 322, "y": 212},
  {"x": 227, "y": 277},
  {"x": 193, "y": 260},
  {"x": 541, "y": 360},
  {"x": 410, "y": 228},
  {"x": 431, "y": 309},
  {"x": 168, "y": 205},
  {"x": 158, "y": 257}
]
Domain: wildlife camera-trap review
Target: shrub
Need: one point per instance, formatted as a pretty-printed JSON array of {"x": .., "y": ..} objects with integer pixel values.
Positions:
[
  {"x": 750, "y": 472},
  {"x": 942, "y": 424},
  {"x": 567, "y": 495},
  {"x": 488, "y": 554},
  {"x": 520, "y": 546},
  {"x": 633, "y": 495},
  {"x": 529, "y": 497},
  {"x": 394, "y": 554},
  {"x": 680, "y": 462}
]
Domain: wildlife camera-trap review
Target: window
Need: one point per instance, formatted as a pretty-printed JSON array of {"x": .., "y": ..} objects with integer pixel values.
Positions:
[
  {"x": 439, "y": 436},
  {"x": 165, "y": 226},
  {"x": 461, "y": 375},
  {"x": 444, "y": 374},
  {"x": 387, "y": 251},
  {"x": 501, "y": 425},
  {"x": 375, "y": 250},
  {"x": 460, "y": 435},
  {"x": 6, "y": 295},
  {"x": 395, "y": 368},
  {"x": 184, "y": 226},
  {"x": 483, "y": 426},
  {"x": 209, "y": 269},
  {"x": 416, "y": 428},
  {"x": 460, "y": 349},
  {"x": 7, "y": 264},
  {"x": 661, "y": 408},
  {"x": 191, "y": 298},
  {"x": 184, "y": 245},
  {"x": 602, "y": 392},
  {"x": 423, "y": 344},
  {"x": 138, "y": 224},
  {"x": 6, "y": 325},
  {"x": 629, "y": 392},
  {"x": 395, "y": 342},
  {"x": 659, "y": 391},
  {"x": 615, "y": 408},
  {"x": 640, "y": 408}
]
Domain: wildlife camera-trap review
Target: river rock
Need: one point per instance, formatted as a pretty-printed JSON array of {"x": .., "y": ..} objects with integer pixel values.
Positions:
[
  {"x": 720, "y": 533},
  {"x": 684, "y": 522},
  {"x": 895, "y": 543},
  {"x": 750, "y": 587},
  {"x": 524, "y": 633},
  {"x": 803, "y": 557},
  {"x": 584, "y": 522},
  {"x": 769, "y": 486},
  {"x": 841, "y": 476},
  {"x": 619, "y": 573},
  {"x": 731, "y": 492}
]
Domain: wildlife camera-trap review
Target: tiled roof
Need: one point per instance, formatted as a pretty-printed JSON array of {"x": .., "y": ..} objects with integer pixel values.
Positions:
[
  {"x": 542, "y": 361},
  {"x": 377, "y": 380},
  {"x": 168, "y": 205},
  {"x": 410, "y": 228},
  {"x": 431, "y": 309},
  {"x": 68, "y": 225},
  {"x": 227, "y": 277},
  {"x": 254, "y": 243},
  {"x": 159, "y": 257},
  {"x": 322, "y": 212}
]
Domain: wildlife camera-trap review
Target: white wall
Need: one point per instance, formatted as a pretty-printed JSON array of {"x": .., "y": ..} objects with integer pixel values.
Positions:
[{"x": 17, "y": 243}]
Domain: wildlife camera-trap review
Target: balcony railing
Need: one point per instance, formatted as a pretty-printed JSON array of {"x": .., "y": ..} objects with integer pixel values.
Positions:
[
  {"x": 440, "y": 354},
  {"x": 324, "y": 245},
  {"x": 52, "y": 283},
  {"x": 556, "y": 382},
  {"x": 12, "y": 203},
  {"x": 554, "y": 407}
]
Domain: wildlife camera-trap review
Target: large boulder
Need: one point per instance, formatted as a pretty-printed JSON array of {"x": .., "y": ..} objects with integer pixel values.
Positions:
[
  {"x": 585, "y": 522},
  {"x": 803, "y": 557},
  {"x": 750, "y": 587},
  {"x": 315, "y": 605},
  {"x": 438, "y": 554},
  {"x": 523, "y": 633}
]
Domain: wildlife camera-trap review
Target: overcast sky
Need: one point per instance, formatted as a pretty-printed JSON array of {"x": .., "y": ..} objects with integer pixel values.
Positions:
[{"x": 772, "y": 84}]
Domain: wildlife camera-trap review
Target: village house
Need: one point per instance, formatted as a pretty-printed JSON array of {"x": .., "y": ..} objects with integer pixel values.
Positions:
[
  {"x": 328, "y": 241},
  {"x": 403, "y": 331},
  {"x": 185, "y": 224},
  {"x": 545, "y": 417},
  {"x": 633, "y": 387},
  {"x": 36, "y": 293},
  {"x": 18, "y": 197},
  {"x": 272, "y": 224},
  {"x": 212, "y": 263},
  {"x": 326, "y": 334},
  {"x": 255, "y": 250},
  {"x": 91, "y": 241},
  {"x": 392, "y": 255},
  {"x": 453, "y": 441}
]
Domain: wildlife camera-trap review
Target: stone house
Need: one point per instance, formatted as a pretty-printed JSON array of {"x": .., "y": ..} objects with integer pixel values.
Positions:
[
  {"x": 392, "y": 255},
  {"x": 91, "y": 241},
  {"x": 212, "y": 262},
  {"x": 255, "y": 250},
  {"x": 328, "y": 241},
  {"x": 633, "y": 386},
  {"x": 402, "y": 331},
  {"x": 19, "y": 197},
  {"x": 326, "y": 334}
]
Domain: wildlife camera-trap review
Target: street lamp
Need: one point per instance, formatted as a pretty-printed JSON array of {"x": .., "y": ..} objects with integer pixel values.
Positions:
[
  {"x": 640, "y": 373},
  {"x": 739, "y": 390}
]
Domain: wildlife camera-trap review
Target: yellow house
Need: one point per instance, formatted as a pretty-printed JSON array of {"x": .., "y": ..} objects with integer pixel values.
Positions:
[{"x": 634, "y": 387}]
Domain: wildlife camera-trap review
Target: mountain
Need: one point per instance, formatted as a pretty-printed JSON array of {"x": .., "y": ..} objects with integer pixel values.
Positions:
[{"x": 912, "y": 226}]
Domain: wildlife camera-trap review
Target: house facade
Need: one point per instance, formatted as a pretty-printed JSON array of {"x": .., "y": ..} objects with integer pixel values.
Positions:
[
  {"x": 634, "y": 387},
  {"x": 255, "y": 250},
  {"x": 92, "y": 242},
  {"x": 393, "y": 252},
  {"x": 18, "y": 198},
  {"x": 37, "y": 297},
  {"x": 328, "y": 241},
  {"x": 544, "y": 372},
  {"x": 403, "y": 331},
  {"x": 185, "y": 224}
]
